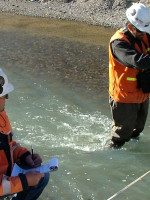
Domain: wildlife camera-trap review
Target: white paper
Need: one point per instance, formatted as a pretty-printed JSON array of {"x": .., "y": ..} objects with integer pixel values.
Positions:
[{"x": 51, "y": 166}]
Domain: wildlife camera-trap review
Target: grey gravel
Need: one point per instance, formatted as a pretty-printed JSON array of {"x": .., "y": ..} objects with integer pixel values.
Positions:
[{"x": 109, "y": 13}]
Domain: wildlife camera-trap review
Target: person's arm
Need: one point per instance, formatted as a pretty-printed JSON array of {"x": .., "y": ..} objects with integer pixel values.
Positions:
[
  {"x": 11, "y": 185},
  {"x": 128, "y": 56},
  {"x": 19, "y": 153},
  {"x": 23, "y": 156}
]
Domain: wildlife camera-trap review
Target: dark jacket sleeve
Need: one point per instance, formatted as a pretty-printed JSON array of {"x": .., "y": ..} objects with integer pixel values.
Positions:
[{"x": 127, "y": 55}]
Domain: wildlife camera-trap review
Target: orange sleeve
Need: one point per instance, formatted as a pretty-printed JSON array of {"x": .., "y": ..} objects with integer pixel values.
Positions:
[
  {"x": 19, "y": 152},
  {"x": 16, "y": 185},
  {"x": 10, "y": 185}
]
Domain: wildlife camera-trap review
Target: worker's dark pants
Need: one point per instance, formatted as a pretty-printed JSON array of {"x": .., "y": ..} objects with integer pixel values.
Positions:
[
  {"x": 32, "y": 193},
  {"x": 128, "y": 120}
]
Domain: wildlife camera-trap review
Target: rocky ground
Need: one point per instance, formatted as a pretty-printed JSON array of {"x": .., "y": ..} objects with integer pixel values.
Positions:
[{"x": 97, "y": 12}]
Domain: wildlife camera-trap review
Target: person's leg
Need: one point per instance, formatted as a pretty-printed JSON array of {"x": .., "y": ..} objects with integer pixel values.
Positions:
[
  {"x": 124, "y": 117},
  {"x": 33, "y": 192},
  {"x": 141, "y": 119}
]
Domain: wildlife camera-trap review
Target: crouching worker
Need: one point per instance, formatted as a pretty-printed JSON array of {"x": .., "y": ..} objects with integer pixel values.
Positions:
[{"x": 27, "y": 186}]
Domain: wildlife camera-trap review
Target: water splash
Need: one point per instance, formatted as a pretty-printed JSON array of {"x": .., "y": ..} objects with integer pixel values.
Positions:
[{"x": 60, "y": 125}]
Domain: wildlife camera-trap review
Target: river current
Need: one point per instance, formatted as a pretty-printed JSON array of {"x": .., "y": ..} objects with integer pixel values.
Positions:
[{"x": 60, "y": 106}]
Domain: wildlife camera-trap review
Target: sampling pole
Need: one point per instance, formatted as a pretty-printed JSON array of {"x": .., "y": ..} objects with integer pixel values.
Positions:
[{"x": 125, "y": 188}]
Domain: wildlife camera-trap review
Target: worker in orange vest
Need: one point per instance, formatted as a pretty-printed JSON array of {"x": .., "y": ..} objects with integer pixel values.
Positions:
[
  {"x": 28, "y": 186},
  {"x": 129, "y": 76}
]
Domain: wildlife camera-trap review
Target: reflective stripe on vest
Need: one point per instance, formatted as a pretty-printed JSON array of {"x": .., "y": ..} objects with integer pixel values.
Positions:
[
  {"x": 131, "y": 79},
  {"x": 6, "y": 185},
  {"x": 148, "y": 49},
  {"x": 15, "y": 146}
]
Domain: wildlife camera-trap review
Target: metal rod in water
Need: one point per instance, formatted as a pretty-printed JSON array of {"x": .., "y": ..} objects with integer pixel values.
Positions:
[{"x": 123, "y": 189}]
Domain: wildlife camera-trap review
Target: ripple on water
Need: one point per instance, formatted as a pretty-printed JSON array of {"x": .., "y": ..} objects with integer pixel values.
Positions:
[{"x": 62, "y": 128}]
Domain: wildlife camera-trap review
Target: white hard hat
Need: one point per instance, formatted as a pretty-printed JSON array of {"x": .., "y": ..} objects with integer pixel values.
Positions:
[
  {"x": 5, "y": 86},
  {"x": 139, "y": 15}
]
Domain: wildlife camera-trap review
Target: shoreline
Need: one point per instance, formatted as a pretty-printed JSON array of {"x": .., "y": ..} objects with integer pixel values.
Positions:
[
  {"x": 93, "y": 12},
  {"x": 103, "y": 13}
]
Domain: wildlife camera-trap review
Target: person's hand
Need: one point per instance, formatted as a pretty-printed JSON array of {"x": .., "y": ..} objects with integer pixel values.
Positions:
[
  {"x": 35, "y": 162},
  {"x": 33, "y": 177},
  {"x": 29, "y": 161}
]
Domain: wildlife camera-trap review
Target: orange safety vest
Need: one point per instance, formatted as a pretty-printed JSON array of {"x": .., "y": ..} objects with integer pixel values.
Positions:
[
  {"x": 10, "y": 152},
  {"x": 122, "y": 79}
]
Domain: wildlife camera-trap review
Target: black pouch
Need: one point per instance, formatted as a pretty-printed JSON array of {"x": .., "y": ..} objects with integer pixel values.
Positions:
[{"x": 143, "y": 79}]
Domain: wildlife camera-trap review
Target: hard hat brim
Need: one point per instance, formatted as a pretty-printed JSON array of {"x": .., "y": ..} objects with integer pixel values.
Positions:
[
  {"x": 141, "y": 28},
  {"x": 7, "y": 90}
]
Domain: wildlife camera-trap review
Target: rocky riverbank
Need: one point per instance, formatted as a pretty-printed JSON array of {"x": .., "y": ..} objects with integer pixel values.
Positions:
[{"x": 109, "y": 13}]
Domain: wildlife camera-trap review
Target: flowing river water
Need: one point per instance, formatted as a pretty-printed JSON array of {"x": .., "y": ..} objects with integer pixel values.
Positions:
[{"x": 60, "y": 106}]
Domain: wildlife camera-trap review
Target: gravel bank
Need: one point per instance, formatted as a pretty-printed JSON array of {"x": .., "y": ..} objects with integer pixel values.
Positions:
[{"x": 109, "y": 13}]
